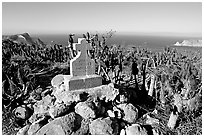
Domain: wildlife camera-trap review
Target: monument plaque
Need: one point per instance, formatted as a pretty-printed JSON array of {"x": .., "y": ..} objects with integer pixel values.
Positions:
[{"x": 82, "y": 69}]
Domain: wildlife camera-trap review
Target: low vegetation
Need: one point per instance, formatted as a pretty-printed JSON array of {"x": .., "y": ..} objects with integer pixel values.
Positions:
[{"x": 163, "y": 76}]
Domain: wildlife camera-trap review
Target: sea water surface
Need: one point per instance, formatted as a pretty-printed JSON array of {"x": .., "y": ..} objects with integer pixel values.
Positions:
[{"x": 154, "y": 43}]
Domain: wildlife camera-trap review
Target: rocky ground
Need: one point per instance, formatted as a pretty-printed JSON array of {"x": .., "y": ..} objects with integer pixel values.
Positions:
[{"x": 104, "y": 110}]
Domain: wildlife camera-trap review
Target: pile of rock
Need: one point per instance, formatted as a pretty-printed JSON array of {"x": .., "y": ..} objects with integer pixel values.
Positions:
[{"x": 89, "y": 111}]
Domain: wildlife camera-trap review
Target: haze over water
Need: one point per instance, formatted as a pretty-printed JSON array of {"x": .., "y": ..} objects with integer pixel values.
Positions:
[{"x": 143, "y": 41}]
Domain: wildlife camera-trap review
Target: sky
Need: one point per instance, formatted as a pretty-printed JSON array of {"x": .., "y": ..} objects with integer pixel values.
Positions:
[{"x": 175, "y": 18}]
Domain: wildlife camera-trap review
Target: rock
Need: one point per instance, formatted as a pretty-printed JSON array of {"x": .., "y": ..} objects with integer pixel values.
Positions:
[
  {"x": 50, "y": 119},
  {"x": 67, "y": 97},
  {"x": 60, "y": 84},
  {"x": 51, "y": 130},
  {"x": 85, "y": 109},
  {"x": 64, "y": 125},
  {"x": 109, "y": 92},
  {"x": 129, "y": 111},
  {"x": 104, "y": 126},
  {"x": 104, "y": 92},
  {"x": 24, "y": 130},
  {"x": 99, "y": 109},
  {"x": 136, "y": 129},
  {"x": 23, "y": 112},
  {"x": 43, "y": 105},
  {"x": 57, "y": 80},
  {"x": 84, "y": 129},
  {"x": 58, "y": 109},
  {"x": 122, "y": 124},
  {"x": 35, "y": 127},
  {"x": 110, "y": 113},
  {"x": 118, "y": 113},
  {"x": 122, "y": 132},
  {"x": 36, "y": 117}
]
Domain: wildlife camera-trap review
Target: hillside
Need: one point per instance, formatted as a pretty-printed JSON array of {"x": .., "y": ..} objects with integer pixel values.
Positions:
[
  {"x": 193, "y": 43},
  {"x": 24, "y": 38}
]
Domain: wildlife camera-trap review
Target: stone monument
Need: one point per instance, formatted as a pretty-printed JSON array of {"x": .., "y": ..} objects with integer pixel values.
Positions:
[{"x": 82, "y": 69}]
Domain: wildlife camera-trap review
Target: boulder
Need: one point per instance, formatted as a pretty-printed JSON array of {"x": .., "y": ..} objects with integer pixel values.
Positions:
[
  {"x": 103, "y": 92},
  {"x": 23, "y": 112},
  {"x": 66, "y": 97},
  {"x": 51, "y": 129},
  {"x": 136, "y": 129},
  {"x": 110, "y": 113},
  {"x": 86, "y": 109},
  {"x": 108, "y": 92},
  {"x": 36, "y": 117},
  {"x": 43, "y": 105},
  {"x": 24, "y": 130},
  {"x": 58, "y": 109},
  {"x": 65, "y": 125},
  {"x": 57, "y": 81},
  {"x": 122, "y": 132},
  {"x": 60, "y": 89},
  {"x": 104, "y": 126},
  {"x": 130, "y": 112},
  {"x": 84, "y": 129},
  {"x": 99, "y": 109},
  {"x": 117, "y": 112},
  {"x": 36, "y": 126}
]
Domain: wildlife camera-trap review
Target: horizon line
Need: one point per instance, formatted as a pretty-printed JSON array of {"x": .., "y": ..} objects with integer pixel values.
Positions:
[{"x": 176, "y": 34}]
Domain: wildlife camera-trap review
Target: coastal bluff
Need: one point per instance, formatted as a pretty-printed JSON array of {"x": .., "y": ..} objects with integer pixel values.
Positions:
[{"x": 191, "y": 43}]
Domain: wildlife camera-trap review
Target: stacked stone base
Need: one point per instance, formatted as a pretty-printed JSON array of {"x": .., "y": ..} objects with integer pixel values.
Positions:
[{"x": 84, "y": 82}]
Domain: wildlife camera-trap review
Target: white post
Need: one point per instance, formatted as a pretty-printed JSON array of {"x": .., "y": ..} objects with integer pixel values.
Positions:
[{"x": 151, "y": 88}]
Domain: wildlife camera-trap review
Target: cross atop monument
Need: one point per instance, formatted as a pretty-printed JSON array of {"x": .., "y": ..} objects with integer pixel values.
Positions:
[
  {"x": 83, "y": 47},
  {"x": 82, "y": 70},
  {"x": 82, "y": 64}
]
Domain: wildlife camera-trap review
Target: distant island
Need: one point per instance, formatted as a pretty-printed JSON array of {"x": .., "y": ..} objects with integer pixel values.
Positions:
[{"x": 192, "y": 43}]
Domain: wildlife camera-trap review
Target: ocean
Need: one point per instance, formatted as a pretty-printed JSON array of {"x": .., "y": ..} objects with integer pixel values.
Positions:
[{"x": 154, "y": 43}]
